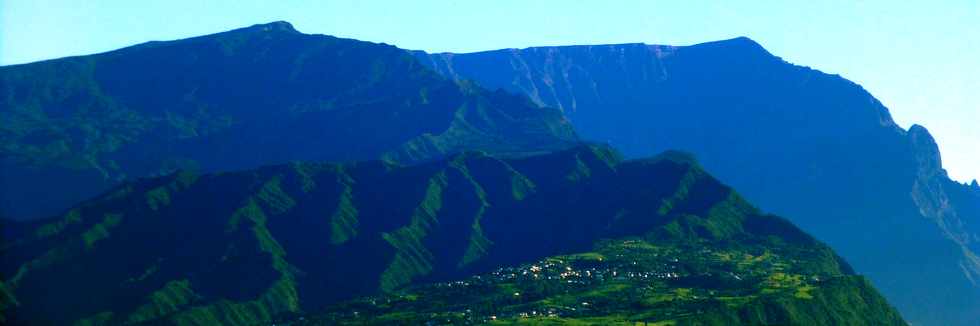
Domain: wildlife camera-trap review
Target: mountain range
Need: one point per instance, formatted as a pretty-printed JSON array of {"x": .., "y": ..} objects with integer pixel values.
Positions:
[
  {"x": 240, "y": 99},
  {"x": 243, "y": 248},
  {"x": 161, "y": 172},
  {"x": 800, "y": 143}
]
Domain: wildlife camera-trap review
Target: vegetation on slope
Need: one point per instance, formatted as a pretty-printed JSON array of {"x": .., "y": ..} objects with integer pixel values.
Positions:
[
  {"x": 261, "y": 95},
  {"x": 248, "y": 247},
  {"x": 635, "y": 280}
]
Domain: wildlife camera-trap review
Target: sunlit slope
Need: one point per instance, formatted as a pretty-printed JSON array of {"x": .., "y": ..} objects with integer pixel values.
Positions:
[{"x": 246, "y": 247}]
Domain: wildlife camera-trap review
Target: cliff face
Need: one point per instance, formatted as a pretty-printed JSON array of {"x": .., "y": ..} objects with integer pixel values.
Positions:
[
  {"x": 944, "y": 200},
  {"x": 811, "y": 146}
]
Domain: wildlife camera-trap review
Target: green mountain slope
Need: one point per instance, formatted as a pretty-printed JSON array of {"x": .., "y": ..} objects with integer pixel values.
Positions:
[
  {"x": 260, "y": 95},
  {"x": 246, "y": 247},
  {"x": 629, "y": 281}
]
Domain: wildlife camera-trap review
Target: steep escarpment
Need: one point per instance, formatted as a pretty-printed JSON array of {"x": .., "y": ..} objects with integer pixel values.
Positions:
[
  {"x": 264, "y": 94},
  {"x": 173, "y": 249},
  {"x": 801, "y": 143}
]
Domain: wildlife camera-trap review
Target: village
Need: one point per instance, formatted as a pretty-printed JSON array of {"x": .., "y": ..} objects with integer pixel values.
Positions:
[{"x": 669, "y": 281}]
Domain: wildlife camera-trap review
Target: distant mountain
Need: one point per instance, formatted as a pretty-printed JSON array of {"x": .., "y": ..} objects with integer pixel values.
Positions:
[
  {"x": 246, "y": 247},
  {"x": 73, "y": 127},
  {"x": 804, "y": 144}
]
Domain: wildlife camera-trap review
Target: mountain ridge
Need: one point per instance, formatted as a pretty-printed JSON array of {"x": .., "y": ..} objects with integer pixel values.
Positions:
[
  {"x": 789, "y": 137},
  {"x": 213, "y": 102},
  {"x": 312, "y": 234}
]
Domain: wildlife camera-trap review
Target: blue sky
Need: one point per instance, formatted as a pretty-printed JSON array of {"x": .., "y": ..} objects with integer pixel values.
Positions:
[{"x": 922, "y": 59}]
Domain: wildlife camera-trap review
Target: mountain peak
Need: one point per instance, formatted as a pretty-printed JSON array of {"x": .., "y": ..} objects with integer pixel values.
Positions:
[
  {"x": 920, "y": 133},
  {"x": 974, "y": 185},
  {"x": 743, "y": 40},
  {"x": 926, "y": 149},
  {"x": 739, "y": 43},
  {"x": 276, "y": 26}
]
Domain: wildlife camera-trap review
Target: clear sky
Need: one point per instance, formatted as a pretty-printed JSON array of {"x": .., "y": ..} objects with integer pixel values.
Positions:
[{"x": 921, "y": 59}]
